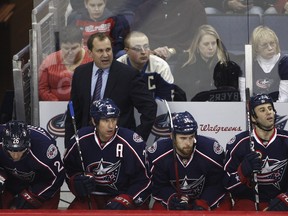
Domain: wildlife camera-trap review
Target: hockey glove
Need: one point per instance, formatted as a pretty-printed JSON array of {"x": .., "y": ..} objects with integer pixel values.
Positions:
[
  {"x": 25, "y": 200},
  {"x": 177, "y": 202},
  {"x": 251, "y": 163},
  {"x": 83, "y": 185},
  {"x": 279, "y": 203},
  {"x": 200, "y": 205},
  {"x": 120, "y": 202}
]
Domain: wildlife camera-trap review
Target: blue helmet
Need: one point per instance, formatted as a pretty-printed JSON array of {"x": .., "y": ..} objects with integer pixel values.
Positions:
[
  {"x": 16, "y": 136},
  {"x": 103, "y": 109},
  {"x": 260, "y": 99},
  {"x": 184, "y": 123}
]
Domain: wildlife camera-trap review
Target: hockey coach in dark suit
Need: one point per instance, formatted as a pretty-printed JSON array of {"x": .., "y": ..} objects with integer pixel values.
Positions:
[{"x": 119, "y": 82}]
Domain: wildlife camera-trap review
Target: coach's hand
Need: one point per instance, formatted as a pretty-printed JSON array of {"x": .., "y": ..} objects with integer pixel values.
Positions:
[{"x": 83, "y": 185}]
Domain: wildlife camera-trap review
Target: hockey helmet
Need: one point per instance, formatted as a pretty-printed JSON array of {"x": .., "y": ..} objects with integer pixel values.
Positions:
[
  {"x": 16, "y": 136},
  {"x": 103, "y": 109},
  {"x": 184, "y": 123},
  {"x": 283, "y": 68},
  {"x": 226, "y": 74},
  {"x": 260, "y": 99}
]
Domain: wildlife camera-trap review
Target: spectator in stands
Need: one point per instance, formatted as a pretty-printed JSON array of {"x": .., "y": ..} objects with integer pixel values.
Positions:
[
  {"x": 258, "y": 7},
  {"x": 266, "y": 55},
  {"x": 169, "y": 24},
  {"x": 154, "y": 69},
  {"x": 56, "y": 70},
  {"x": 125, "y": 7},
  {"x": 226, "y": 76},
  {"x": 97, "y": 18},
  {"x": 196, "y": 74}
]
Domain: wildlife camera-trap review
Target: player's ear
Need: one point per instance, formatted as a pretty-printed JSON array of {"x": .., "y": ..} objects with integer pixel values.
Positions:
[
  {"x": 90, "y": 53},
  {"x": 253, "y": 119}
]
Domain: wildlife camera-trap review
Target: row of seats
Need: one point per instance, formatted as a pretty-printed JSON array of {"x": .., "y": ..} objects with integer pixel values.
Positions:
[{"x": 235, "y": 30}]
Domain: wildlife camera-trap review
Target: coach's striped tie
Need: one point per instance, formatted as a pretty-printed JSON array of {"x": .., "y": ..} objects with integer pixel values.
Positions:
[{"x": 97, "y": 90}]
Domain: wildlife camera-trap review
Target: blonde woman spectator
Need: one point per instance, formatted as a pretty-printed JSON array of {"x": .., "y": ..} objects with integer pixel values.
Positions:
[
  {"x": 266, "y": 55},
  {"x": 56, "y": 70},
  {"x": 196, "y": 74}
]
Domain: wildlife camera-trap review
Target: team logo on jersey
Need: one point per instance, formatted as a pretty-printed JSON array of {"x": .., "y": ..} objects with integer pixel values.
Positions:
[
  {"x": 264, "y": 83},
  {"x": 106, "y": 173},
  {"x": 151, "y": 149},
  {"x": 232, "y": 140},
  {"x": 272, "y": 172},
  {"x": 218, "y": 149},
  {"x": 137, "y": 138},
  {"x": 28, "y": 177},
  {"x": 52, "y": 151},
  {"x": 191, "y": 187},
  {"x": 56, "y": 125}
]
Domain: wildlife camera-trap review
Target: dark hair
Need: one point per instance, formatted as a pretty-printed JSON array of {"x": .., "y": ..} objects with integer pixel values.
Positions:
[
  {"x": 226, "y": 74},
  {"x": 100, "y": 36},
  {"x": 71, "y": 34}
]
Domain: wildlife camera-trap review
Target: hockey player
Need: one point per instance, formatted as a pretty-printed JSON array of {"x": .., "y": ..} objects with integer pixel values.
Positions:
[
  {"x": 269, "y": 161},
  {"x": 115, "y": 175},
  {"x": 31, "y": 169},
  {"x": 225, "y": 76},
  {"x": 187, "y": 170}
]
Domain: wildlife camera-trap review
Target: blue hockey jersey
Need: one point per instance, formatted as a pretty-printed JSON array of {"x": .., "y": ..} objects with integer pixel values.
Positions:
[
  {"x": 200, "y": 176},
  {"x": 41, "y": 170},
  {"x": 118, "y": 166},
  {"x": 273, "y": 178}
]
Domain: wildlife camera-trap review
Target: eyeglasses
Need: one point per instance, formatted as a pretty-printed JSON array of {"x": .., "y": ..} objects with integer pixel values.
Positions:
[
  {"x": 265, "y": 45},
  {"x": 140, "y": 48}
]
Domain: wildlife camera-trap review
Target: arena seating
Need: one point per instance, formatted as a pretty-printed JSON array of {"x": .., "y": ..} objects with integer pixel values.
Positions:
[
  {"x": 279, "y": 24},
  {"x": 234, "y": 29}
]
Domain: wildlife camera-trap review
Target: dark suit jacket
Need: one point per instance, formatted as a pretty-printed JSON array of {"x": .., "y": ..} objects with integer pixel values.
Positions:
[{"x": 125, "y": 87}]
